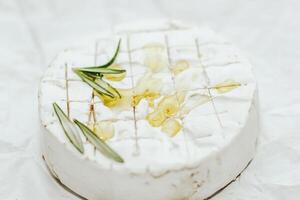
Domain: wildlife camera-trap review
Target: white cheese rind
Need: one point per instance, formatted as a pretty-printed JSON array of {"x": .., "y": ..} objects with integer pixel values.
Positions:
[{"x": 196, "y": 163}]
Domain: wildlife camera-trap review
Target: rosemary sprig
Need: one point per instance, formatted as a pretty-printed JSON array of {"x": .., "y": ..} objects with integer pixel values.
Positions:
[
  {"x": 99, "y": 143},
  {"x": 93, "y": 76},
  {"x": 69, "y": 128},
  {"x": 108, "y": 87},
  {"x": 97, "y": 86},
  {"x": 99, "y": 72}
]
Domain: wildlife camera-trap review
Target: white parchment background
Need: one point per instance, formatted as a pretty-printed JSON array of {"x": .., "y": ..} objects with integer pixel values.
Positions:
[{"x": 267, "y": 31}]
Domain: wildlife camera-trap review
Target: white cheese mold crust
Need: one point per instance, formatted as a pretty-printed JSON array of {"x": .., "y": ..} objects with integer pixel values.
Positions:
[{"x": 219, "y": 115}]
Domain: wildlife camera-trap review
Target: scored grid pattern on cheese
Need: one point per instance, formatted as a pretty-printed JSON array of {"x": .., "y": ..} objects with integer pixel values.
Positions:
[
  {"x": 208, "y": 83},
  {"x": 136, "y": 137},
  {"x": 132, "y": 86},
  {"x": 174, "y": 86},
  {"x": 141, "y": 64},
  {"x": 200, "y": 159}
]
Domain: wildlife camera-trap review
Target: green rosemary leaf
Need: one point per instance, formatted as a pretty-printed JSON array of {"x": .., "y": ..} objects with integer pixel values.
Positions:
[
  {"x": 98, "y": 143},
  {"x": 93, "y": 75},
  {"x": 111, "y": 61},
  {"x": 99, "y": 87},
  {"x": 98, "y": 71},
  {"x": 108, "y": 87},
  {"x": 69, "y": 128}
]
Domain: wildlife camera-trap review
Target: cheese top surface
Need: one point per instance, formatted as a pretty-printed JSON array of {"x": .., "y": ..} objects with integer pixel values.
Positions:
[{"x": 186, "y": 95}]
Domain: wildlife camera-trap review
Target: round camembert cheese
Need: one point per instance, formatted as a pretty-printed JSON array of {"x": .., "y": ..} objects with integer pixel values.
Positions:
[{"x": 186, "y": 124}]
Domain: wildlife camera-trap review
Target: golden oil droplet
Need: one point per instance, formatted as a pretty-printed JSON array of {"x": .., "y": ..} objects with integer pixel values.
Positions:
[
  {"x": 180, "y": 66},
  {"x": 104, "y": 130},
  {"x": 124, "y": 102},
  {"x": 227, "y": 86},
  {"x": 135, "y": 100},
  {"x": 193, "y": 102},
  {"x": 154, "y": 57},
  {"x": 115, "y": 77},
  {"x": 107, "y": 100},
  {"x": 148, "y": 83},
  {"x": 147, "y": 88},
  {"x": 118, "y": 103},
  {"x": 156, "y": 118},
  {"x": 151, "y": 96},
  {"x": 155, "y": 62},
  {"x": 171, "y": 127},
  {"x": 169, "y": 105}
]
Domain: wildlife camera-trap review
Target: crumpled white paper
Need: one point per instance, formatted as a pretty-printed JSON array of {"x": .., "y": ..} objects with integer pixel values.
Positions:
[{"x": 33, "y": 31}]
